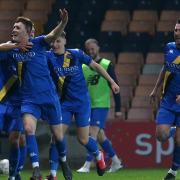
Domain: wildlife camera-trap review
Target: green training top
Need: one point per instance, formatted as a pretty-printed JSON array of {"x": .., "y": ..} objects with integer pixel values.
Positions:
[{"x": 98, "y": 86}]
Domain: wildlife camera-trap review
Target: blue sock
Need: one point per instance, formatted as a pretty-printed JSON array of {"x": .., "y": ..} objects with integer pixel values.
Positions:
[
  {"x": 108, "y": 149},
  {"x": 23, "y": 153},
  {"x": 32, "y": 149},
  {"x": 89, "y": 157},
  {"x": 53, "y": 157},
  {"x": 92, "y": 147},
  {"x": 172, "y": 131},
  {"x": 61, "y": 148},
  {"x": 176, "y": 158},
  {"x": 13, "y": 160}
]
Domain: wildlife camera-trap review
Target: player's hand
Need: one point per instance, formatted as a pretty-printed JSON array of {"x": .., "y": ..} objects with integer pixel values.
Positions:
[
  {"x": 118, "y": 114},
  {"x": 24, "y": 46},
  {"x": 63, "y": 16},
  {"x": 115, "y": 88},
  {"x": 152, "y": 97},
  {"x": 178, "y": 99}
]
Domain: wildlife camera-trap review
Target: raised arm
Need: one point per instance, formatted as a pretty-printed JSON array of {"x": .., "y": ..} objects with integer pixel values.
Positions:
[
  {"x": 102, "y": 72},
  {"x": 56, "y": 32}
]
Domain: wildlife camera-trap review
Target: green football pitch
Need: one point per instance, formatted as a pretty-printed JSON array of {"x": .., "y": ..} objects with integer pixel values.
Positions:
[{"x": 124, "y": 174}]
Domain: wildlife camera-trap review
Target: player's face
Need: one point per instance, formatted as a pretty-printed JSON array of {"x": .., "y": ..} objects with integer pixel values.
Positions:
[
  {"x": 19, "y": 32},
  {"x": 177, "y": 34},
  {"x": 92, "y": 49},
  {"x": 59, "y": 44}
]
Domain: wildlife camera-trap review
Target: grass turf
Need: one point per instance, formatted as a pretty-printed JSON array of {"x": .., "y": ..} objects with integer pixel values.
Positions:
[{"x": 124, "y": 174}]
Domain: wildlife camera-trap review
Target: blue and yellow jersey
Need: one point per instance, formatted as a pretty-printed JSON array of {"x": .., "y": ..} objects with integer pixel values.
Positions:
[
  {"x": 9, "y": 83},
  {"x": 171, "y": 85},
  {"x": 67, "y": 72}
]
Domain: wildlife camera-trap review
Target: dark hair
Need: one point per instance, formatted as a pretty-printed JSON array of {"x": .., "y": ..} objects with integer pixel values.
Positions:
[
  {"x": 91, "y": 40},
  {"x": 27, "y": 22},
  {"x": 178, "y": 21}
]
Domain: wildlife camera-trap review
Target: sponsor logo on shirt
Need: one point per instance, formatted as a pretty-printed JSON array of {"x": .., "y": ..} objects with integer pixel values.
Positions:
[
  {"x": 174, "y": 68},
  {"x": 64, "y": 71},
  {"x": 23, "y": 56}
]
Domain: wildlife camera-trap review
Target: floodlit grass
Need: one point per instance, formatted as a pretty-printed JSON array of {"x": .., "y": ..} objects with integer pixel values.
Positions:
[{"x": 124, "y": 174}]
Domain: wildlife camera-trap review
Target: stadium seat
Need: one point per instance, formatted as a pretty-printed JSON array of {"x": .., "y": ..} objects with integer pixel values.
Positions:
[
  {"x": 122, "y": 4},
  {"x": 115, "y": 25},
  {"x": 39, "y": 5},
  {"x": 130, "y": 58},
  {"x": 5, "y": 35},
  {"x": 7, "y": 25},
  {"x": 142, "y": 27},
  {"x": 109, "y": 55},
  {"x": 36, "y": 15},
  {"x": 147, "y": 79},
  {"x": 110, "y": 41},
  {"x": 155, "y": 58},
  {"x": 126, "y": 96},
  {"x": 145, "y": 15},
  {"x": 143, "y": 91},
  {"x": 141, "y": 102},
  {"x": 9, "y": 15},
  {"x": 11, "y": 5},
  {"x": 126, "y": 91},
  {"x": 128, "y": 69},
  {"x": 127, "y": 80},
  {"x": 136, "y": 42},
  {"x": 169, "y": 15},
  {"x": 140, "y": 114},
  {"x": 171, "y": 4},
  {"x": 118, "y": 15},
  {"x": 125, "y": 102},
  {"x": 151, "y": 68},
  {"x": 165, "y": 26},
  {"x": 160, "y": 40},
  {"x": 149, "y": 4}
]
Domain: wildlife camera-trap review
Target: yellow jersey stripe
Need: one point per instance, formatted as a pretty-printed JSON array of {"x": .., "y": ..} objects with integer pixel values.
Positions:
[{"x": 7, "y": 86}]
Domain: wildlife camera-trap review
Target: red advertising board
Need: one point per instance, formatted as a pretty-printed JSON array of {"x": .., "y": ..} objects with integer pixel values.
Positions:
[{"x": 136, "y": 144}]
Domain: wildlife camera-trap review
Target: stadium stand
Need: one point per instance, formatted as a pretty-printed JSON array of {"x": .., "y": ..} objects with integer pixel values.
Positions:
[{"x": 132, "y": 34}]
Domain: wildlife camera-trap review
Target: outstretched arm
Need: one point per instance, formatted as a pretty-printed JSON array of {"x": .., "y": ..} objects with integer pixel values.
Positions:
[
  {"x": 10, "y": 45},
  {"x": 56, "y": 32},
  {"x": 101, "y": 71}
]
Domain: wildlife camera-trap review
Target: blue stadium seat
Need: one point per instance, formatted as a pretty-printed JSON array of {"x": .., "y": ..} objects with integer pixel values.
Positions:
[
  {"x": 136, "y": 42},
  {"x": 171, "y": 4},
  {"x": 149, "y": 4},
  {"x": 122, "y": 4},
  {"x": 159, "y": 41},
  {"x": 151, "y": 68},
  {"x": 110, "y": 41}
]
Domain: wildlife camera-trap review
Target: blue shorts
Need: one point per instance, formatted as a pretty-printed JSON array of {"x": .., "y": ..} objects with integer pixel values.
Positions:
[
  {"x": 80, "y": 115},
  {"x": 165, "y": 116},
  {"x": 47, "y": 108},
  {"x": 98, "y": 117},
  {"x": 11, "y": 120}
]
